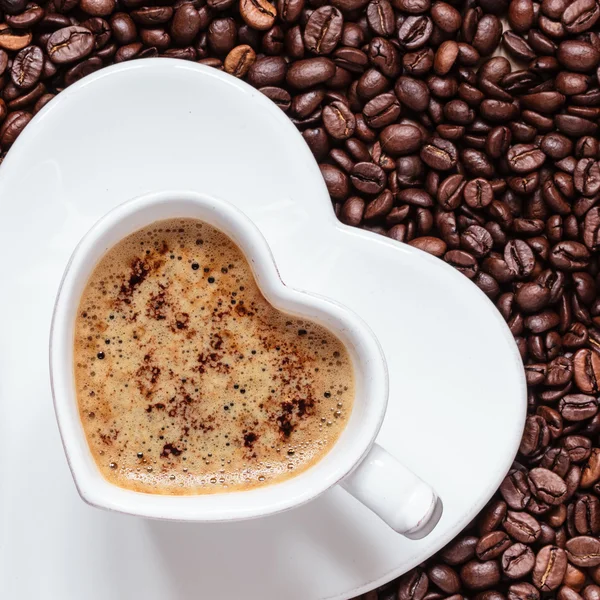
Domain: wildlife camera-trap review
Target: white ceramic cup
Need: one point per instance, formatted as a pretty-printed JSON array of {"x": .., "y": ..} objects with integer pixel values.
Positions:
[{"x": 367, "y": 471}]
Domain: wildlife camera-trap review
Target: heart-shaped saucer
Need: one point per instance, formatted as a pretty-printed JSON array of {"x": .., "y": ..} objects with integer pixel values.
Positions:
[{"x": 457, "y": 393}]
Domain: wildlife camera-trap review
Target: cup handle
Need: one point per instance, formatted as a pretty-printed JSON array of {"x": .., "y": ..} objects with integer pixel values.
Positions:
[{"x": 405, "y": 502}]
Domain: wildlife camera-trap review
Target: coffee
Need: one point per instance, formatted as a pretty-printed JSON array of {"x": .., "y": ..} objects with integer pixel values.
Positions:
[{"x": 188, "y": 381}]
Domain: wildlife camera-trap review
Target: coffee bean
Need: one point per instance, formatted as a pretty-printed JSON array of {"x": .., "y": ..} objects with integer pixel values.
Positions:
[
  {"x": 98, "y": 8},
  {"x": 586, "y": 365},
  {"x": 463, "y": 262},
  {"x": 310, "y": 72},
  {"x": 368, "y": 178},
  {"x": 480, "y": 575},
  {"x": 517, "y": 561},
  {"x": 522, "y": 591},
  {"x": 460, "y": 550},
  {"x": 584, "y": 551},
  {"x": 586, "y": 515},
  {"x": 258, "y": 14},
  {"x": 352, "y": 211},
  {"x": 547, "y": 486},
  {"x": 524, "y": 158},
  {"x": 239, "y": 60},
  {"x": 27, "y": 67},
  {"x": 492, "y": 545},
  {"x": 399, "y": 140},
  {"x": 519, "y": 258},
  {"x": 549, "y": 569},
  {"x": 439, "y": 154},
  {"x": 431, "y": 245},
  {"x": 590, "y": 474},
  {"x": 478, "y": 193},
  {"x": 577, "y": 55},
  {"x": 476, "y": 240},
  {"x": 339, "y": 121},
  {"x": 522, "y": 527},
  {"x": 415, "y": 32},
  {"x": 382, "y": 110},
  {"x": 69, "y": 44},
  {"x": 445, "y": 578},
  {"x": 413, "y": 585},
  {"x": 323, "y": 30},
  {"x": 337, "y": 182}
]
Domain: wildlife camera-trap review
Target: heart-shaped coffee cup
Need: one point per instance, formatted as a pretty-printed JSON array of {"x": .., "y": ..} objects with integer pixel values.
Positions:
[{"x": 367, "y": 471}]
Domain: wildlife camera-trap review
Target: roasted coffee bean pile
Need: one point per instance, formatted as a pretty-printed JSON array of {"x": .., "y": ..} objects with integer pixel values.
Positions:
[{"x": 427, "y": 133}]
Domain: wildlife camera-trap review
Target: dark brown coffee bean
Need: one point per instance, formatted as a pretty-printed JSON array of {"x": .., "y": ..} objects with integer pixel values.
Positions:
[
  {"x": 98, "y": 8},
  {"x": 549, "y": 569},
  {"x": 289, "y": 10},
  {"x": 368, "y": 178},
  {"x": 478, "y": 193},
  {"x": 380, "y": 16},
  {"x": 415, "y": 197},
  {"x": 323, "y": 30},
  {"x": 577, "y": 55},
  {"x": 69, "y": 44},
  {"x": 586, "y": 515},
  {"x": 310, "y": 72},
  {"x": 352, "y": 211},
  {"x": 569, "y": 256},
  {"x": 579, "y": 449},
  {"x": 431, "y": 245},
  {"x": 584, "y": 551},
  {"x": 186, "y": 24},
  {"x": 337, "y": 182},
  {"x": 379, "y": 207},
  {"x": 381, "y": 111},
  {"x": 399, "y": 140},
  {"x": 524, "y": 158},
  {"x": 415, "y": 32},
  {"x": 519, "y": 258},
  {"x": 491, "y": 517},
  {"x": 580, "y": 16},
  {"x": 578, "y": 407},
  {"x": 547, "y": 486},
  {"x": 123, "y": 28},
  {"x": 587, "y": 177},
  {"x": 480, "y": 575},
  {"x": 413, "y": 585},
  {"x": 339, "y": 121},
  {"x": 517, "y": 561},
  {"x": 492, "y": 545},
  {"x": 27, "y": 67},
  {"x": 590, "y": 474},
  {"x": 439, "y": 154},
  {"x": 463, "y": 262},
  {"x": 446, "y": 17},
  {"x": 445, "y": 578},
  {"x": 522, "y": 590},
  {"x": 413, "y": 93},
  {"x": 460, "y": 550},
  {"x": 476, "y": 240},
  {"x": 522, "y": 527}
]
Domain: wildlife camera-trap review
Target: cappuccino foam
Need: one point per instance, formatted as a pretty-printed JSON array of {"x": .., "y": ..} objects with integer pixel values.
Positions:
[{"x": 188, "y": 381}]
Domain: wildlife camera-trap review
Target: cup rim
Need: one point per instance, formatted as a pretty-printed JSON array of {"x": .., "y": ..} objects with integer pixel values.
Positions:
[{"x": 368, "y": 357}]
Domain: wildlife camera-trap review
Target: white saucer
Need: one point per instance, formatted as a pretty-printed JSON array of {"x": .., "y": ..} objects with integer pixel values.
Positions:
[{"x": 457, "y": 402}]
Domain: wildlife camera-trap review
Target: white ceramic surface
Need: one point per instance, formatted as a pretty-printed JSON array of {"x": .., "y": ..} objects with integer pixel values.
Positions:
[
  {"x": 378, "y": 479},
  {"x": 457, "y": 395}
]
